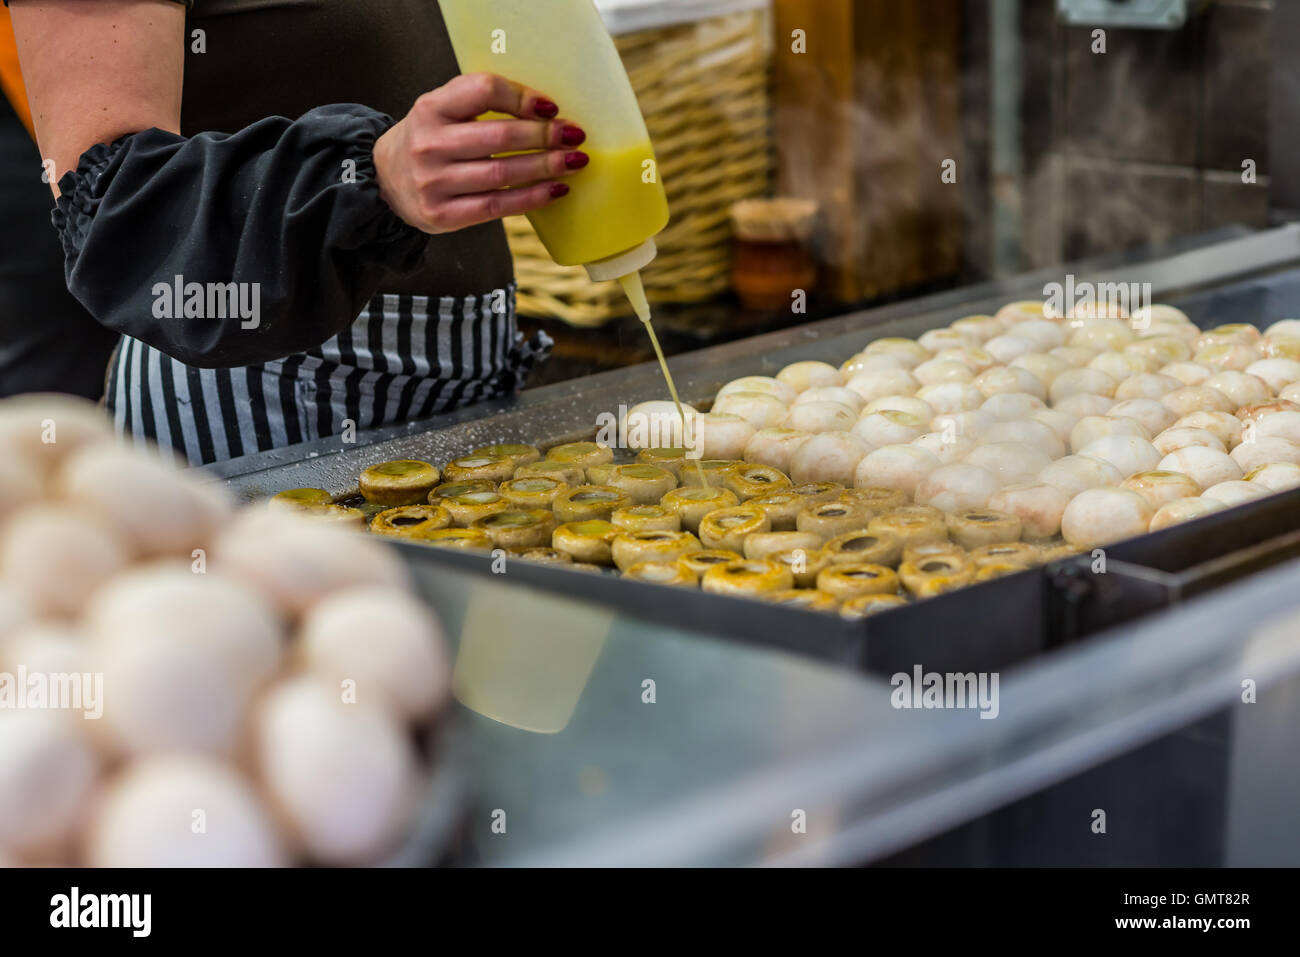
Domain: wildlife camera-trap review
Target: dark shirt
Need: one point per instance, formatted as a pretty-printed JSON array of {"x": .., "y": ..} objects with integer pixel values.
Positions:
[{"x": 279, "y": 97}]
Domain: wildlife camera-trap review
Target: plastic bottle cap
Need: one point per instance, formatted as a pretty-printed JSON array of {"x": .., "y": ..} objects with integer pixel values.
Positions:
[{"x": 634, "y": 260}]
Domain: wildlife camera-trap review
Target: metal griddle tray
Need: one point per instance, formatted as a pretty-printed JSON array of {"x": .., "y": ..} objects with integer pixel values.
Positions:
[{"x": 982, "y": 627}]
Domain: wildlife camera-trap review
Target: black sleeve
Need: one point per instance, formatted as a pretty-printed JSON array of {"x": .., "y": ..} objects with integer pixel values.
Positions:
[{"x": 289, "y": 211}]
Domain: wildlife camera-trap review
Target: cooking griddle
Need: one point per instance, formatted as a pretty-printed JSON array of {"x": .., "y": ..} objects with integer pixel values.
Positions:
[{"x": 1229, "y": 277}]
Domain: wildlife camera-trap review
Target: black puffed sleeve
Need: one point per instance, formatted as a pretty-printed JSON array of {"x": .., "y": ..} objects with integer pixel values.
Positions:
[{"x": 288, "y": 210}]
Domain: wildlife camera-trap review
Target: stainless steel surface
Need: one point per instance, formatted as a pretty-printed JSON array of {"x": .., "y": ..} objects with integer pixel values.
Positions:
[
  {"x": 568, "y": 410},
  {"x": 739, "y": 740}
]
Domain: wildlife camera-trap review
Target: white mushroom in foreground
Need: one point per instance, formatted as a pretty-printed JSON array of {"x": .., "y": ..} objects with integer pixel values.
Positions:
[
  {"x": 828, "y": 457},
  {"x": 903, "y": 467},
  {"x": 1039, "y": 507},
  {"x": 1100, "y": 516},
  {"x": 1234, "y": 493},
  {"x": 343, "y": 775},
  {"x": 1204, "y": 466},
  {"x": 719, "y": 435},
  {"x": 1183, "y": 510},
  {"x": 1077, "y": 473},
  {"x": 953, "y": 487},
  {"x": 383, "y": 639},
  {"x": 146, "y": 818},
  {"x": 775, "y": 447}
]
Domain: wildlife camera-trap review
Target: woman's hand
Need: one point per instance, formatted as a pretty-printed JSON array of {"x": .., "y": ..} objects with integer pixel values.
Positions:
[{"x": 436, "y": 168}]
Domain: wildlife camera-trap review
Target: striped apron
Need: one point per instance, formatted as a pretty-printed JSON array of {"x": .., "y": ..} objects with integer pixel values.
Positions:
[{"x": 404, "y": 358}]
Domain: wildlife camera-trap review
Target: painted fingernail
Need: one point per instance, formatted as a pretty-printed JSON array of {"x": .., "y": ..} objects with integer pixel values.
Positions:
[
  {"x": 559, "y": 189},
  {"x": 546, "y": 109},
  {"x": 573, "y": 136},
  {"x": 576, "y": 160}
]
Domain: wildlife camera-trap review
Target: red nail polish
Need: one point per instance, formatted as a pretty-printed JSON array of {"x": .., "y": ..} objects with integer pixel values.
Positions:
[
  {"x": 559, "y": 189},
  {"x": 576, "y": 160},
  {"x": 573, "y": 136},
  {"x": 546, "y": 109}
]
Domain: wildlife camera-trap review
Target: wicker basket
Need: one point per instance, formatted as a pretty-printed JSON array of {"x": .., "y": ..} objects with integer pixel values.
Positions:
[{"x": 703, "y": 88}]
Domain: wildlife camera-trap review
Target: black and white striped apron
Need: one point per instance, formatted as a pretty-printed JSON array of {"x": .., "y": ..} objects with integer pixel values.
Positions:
[{"x": 404, "y": 358}]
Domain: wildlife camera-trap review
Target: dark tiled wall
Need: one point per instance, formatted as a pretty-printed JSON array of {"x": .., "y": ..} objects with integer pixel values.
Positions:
[{"x": 1146, "y": 141}]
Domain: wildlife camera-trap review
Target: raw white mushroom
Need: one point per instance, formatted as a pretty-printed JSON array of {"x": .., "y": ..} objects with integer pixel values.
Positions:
[
  {"x": 657, "y": 425},
  {"x": 1234, "y": 493},
  {"x": 1093, "y": 427},
  {"x": 936, "y": 340},
  {"x": 1183, "y": 510},
  {"x": 1039, "y": 507},
  {"x": 1181, "y": 437},
  {"x": 832, "y": 393},
  {"x": 1043, "y": 365},
  {"x": 802, "y": 376},
  {"x": 958, "y": 486},
  {"x": 179, "y": 810},
  {"x": 775, "y": 447},
  {"x": 868, "y": 361},
  {"x": 344, "y": 775},
  {"x": 1241, "y": 387},
  {"x": 1146, "y": 385},
  {"x": 1203, "y": 465},
  {"x": 719, "y": 435},
  {"x": 1160, "y": 488},
  {"x": 883, "y": 382},
  {"x": 152, "y": 505},
  {"x": 935, "y": 371},
  {"x": 759, "y": 409},
  {"x": 1081, "y": 381},
  {"x": 1059, "y": 422},
  {"x": 1083, "y": 404},
  {"x": 896, "y": 466},
  {"x": 295, "y": 562},
  {"x": 383, "y": 640},
  {"x": 44, "y": 429},
  {"x": 1007, "y": 348},
  {"x": 1077, "y": 473},
  {"x": 1012, "y": 406},
  {"x": 173, "y": 603},
  {"x": 1028, "y": 431},
  {"x": 1044, "y": 333},
  {"x": 1228, "y": 356},
  {"x": 828, "y": 457},
  {"x": 1263, "y": 451},
  {"x": 945, "y": 397},
  {"x": 1013, "y": 463},
  {"x": 57, "y": 555},
  {"x": 1099, "y": 516},
  {"x": 1277, "y": 373},
  {"x": 1161, "y": 349},
  {"x": 817, "y": 417},
  {"x": 948, "y": 446},
  {"x": 1280, "y": 425},
  {"x": 47, "y": 770},
  {"x": 969, "y": 425},
  {"x": 1197, "y": 398},
  {"x": 912, "y": 354},
  {"x": 888, "y": 428},
  {"x": 1225, "y": 426},
  {"x": 979, "y": 359},
  {"x": 759, "y": 383},
  {"x": 1121, "y": 366},
  {"x": 1154, "y": 416},
  {"x": 900, "y": 403},
  {"x": 1128, "y": 453},
  {"x": 982, "y": 328},
  {"x": 1189, "y": 373},
  {"x": 1276, "y": 476}
]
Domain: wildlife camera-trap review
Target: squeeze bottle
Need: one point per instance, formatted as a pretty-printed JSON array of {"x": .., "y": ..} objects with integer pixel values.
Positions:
[{"x": 561, "y": 47}]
